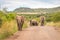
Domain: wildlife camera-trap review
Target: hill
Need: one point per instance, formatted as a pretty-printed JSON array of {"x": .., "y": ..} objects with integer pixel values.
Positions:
[{"x": 38, "y": 10}]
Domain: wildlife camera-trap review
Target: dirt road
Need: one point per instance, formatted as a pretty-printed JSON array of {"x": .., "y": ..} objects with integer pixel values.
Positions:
[{"x": 36, "y": 33}]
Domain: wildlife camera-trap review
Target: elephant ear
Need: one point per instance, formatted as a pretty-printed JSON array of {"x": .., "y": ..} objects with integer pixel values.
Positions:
[
  {"x": 22, "y": 18},
  {"x": 18, "y": 18}
]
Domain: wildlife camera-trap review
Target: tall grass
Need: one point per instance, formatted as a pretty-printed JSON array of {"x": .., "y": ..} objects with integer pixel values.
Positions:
[
  {"x": 8, "y": 25},
  {"x": 7, "y": 29},
  {"x": 54, "y": 24}
]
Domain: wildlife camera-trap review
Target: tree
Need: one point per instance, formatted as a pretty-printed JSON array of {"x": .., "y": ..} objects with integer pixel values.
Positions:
[{"x": 5, "y": 10}]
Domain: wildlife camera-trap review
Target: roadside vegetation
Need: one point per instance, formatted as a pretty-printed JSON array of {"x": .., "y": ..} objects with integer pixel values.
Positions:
[
  {"x": 8, "y": 25},
  {"x": 53, "y": 19}
]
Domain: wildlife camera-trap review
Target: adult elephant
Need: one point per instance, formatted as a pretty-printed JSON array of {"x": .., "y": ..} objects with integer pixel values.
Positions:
[
  {"x": 33, "y": 23},
  {"x": 42, "y": 19},
  {"x": 20, "y": 22}
]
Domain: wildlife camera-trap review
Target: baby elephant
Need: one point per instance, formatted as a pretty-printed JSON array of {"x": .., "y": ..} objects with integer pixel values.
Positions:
[
  {"x": 33, "y": 23},
  {"x": 20, "y": 22}
]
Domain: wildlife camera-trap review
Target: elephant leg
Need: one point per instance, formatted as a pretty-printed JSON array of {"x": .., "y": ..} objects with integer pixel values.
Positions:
[
  {"x": 30, "y": 23},
  {"x": 42, "y": 24},
  {"x": 21, "y": 26},
  {"x": 18, "y": 26}
]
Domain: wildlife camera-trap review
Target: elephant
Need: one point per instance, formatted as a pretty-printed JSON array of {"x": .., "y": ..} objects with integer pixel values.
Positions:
[
  {"x": 42, "y": 19},
  {"x": 33, "y": 23},
  {"x": 20, "y": 22}
]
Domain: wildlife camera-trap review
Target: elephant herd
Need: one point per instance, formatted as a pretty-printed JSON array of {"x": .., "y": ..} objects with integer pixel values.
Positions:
[{"x": 20, "y": 22}]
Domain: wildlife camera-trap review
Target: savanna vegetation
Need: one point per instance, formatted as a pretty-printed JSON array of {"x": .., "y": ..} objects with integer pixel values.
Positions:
[
  {"x": 53, "y": 19},
  {"x": 8, "y": 25}
]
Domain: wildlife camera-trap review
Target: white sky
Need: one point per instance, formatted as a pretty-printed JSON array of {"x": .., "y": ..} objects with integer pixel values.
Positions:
[{"x": 13, "y": 4}]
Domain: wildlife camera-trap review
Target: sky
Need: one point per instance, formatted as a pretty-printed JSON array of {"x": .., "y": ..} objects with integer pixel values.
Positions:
[{"x": 13, "y": 4}]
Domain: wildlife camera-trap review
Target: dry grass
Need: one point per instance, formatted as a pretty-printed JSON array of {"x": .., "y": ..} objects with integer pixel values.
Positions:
[
  {"x": 7, "y": 29},
  {"x": 56, "y": 24}
]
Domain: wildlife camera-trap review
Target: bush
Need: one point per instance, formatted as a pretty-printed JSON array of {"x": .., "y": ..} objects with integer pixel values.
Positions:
[
  {"x": 8, "y": 24},
  {"x": 0, "y": 23},
  {"x": 10, "y": 16},
  {"x": 56, "y": 17}
]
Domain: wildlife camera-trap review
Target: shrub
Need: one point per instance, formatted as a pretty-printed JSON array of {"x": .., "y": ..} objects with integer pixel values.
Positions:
[
  {"x": 0, "y": 23},
  {"x": 7, "y": 24},
  {"x": 56, "y": 17}
]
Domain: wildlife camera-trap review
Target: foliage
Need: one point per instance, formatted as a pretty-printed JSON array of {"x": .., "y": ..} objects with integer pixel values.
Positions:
[
  {"x": 30, "y": 16},
  {"x": 0, "y": 23},
  {"x": 56, "y": 17},
  {"x": 7, "y": 24},
  {"x": 10, "y": 16},
  {"x": 49, "y": 18}
]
